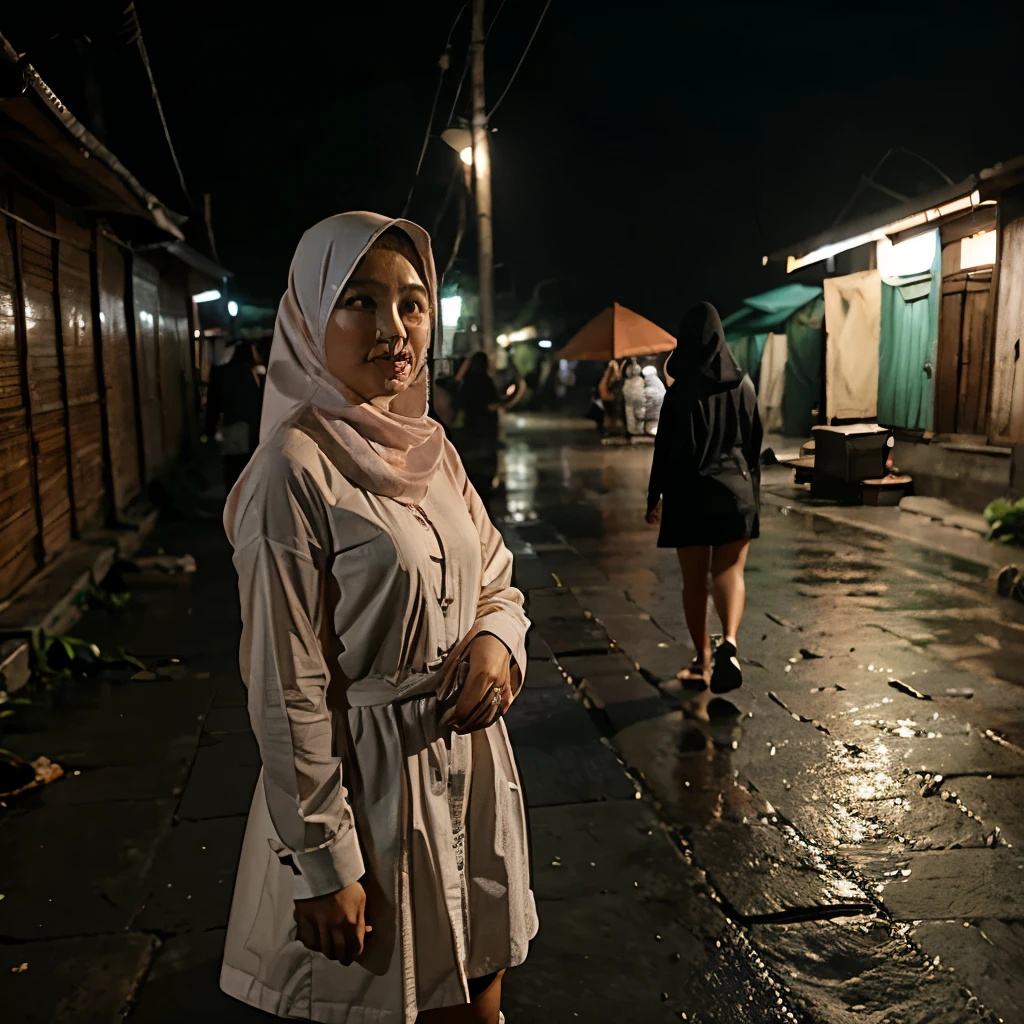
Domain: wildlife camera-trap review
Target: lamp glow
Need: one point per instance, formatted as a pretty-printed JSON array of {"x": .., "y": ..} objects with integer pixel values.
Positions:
[
  {"x": 466, "y": 156},
  {"x": 232, "y": 308},
  {"x": 978, "y": 250},
  {"x": 544, "y": 344},
  {"x": 914, "y": 256},
  {"x": 211, "y": 296},
  {"x": 451, "y": 311}
]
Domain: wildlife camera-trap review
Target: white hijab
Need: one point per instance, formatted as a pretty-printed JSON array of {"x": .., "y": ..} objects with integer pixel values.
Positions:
[{"x": 393, "y": 452}]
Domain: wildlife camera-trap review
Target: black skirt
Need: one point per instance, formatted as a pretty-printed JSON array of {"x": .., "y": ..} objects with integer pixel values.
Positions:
[{"x": 707, "y": 513}]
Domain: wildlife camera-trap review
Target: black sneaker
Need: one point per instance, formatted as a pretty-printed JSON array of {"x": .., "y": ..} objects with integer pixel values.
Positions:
[{"x": 726, "y": 674}]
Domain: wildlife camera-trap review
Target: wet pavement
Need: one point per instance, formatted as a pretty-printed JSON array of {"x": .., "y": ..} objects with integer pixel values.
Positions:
[
  {"x": 858, "y": 808},
  {"x": 841, "y": 842}
]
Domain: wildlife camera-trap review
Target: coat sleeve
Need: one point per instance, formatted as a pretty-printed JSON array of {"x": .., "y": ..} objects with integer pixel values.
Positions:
[
  {"x": 280, "y": 557},
  {"x": 499, "y": 607}
]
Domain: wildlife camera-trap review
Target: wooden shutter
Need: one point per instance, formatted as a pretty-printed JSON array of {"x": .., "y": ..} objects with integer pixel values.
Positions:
[
  {"x": 85, "y": 413},
  {"x": 19, "y": 527},
  {"x": 119, "y": 374},
  {"x": 175, "y": 366},
  {"x": 146, "y": 298},
  {"x": 46, "y": 391}
]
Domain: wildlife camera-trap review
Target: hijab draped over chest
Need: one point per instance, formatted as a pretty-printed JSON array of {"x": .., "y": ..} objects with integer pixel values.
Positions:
[{"x": 391, "y": 452}]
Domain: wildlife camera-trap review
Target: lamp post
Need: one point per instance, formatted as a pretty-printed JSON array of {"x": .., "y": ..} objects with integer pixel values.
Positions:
[{"x": 474, "y": 148}]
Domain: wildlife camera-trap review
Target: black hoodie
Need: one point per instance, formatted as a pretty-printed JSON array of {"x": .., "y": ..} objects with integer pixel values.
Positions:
[{"x": 709, "y": 423}]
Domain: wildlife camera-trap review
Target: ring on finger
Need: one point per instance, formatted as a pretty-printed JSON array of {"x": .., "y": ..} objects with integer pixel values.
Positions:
[{"x": 498, "y": 690}]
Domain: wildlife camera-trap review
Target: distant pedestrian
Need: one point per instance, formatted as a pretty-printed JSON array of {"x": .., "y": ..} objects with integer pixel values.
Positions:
[
  {"x": 654, "y": 398},
  {"x": 705, "y": 486},
  {"x": 610, "y": 392},
  {"x": 477, "y": 441},
  {"x": 634, "y": 398},
  {"x": 233, "y": 405}
]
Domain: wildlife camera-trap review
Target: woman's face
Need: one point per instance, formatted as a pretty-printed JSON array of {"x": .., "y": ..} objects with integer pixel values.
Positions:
[{"x": 378, "y": 334}]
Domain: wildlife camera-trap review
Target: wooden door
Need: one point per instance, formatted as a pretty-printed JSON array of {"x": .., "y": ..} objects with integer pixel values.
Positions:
[
  {"x": 965, "y": 353},
  {"x": 20, "y": 545}
]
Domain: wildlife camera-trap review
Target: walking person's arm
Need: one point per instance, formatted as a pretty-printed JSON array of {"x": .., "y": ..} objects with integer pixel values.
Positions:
[
  {"x": 661, "y": 466},
  {"x": 280, "y": 549},
  {"x": 753, "y": 433}
]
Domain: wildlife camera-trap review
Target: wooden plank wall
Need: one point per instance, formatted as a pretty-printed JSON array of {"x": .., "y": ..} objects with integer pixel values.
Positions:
[
  {"x": 44, "y": 362},
  {"x": 1006, "y": 420},
  {"x": 85, "y": 419},
  {"x": 119, "y": 374},
  {"x": 20, "y": 548}
]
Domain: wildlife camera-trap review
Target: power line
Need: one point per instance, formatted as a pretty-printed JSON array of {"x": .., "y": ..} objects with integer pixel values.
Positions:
[
  {"x": 444, "y": 63},
  {"x": 465, "y": 67},
  {"x": 529, "y": 43},
  {"x": 133, "y": 15}
]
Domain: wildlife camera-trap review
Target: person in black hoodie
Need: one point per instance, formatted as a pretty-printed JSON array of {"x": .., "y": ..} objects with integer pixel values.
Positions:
[
  {"x": 705, "y": 486},
  {"x": 233, "y": 405}
]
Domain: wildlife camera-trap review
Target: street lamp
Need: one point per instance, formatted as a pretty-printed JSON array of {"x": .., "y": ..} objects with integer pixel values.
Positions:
[{"x": 474, "y": 148}]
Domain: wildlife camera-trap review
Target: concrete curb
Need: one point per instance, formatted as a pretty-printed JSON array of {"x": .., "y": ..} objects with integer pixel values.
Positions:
[{"x": 45, "y": 605}]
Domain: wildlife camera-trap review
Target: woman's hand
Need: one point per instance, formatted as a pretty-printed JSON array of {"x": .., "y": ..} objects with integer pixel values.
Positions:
[
  {"x": 653, "y": 517},
  {"x": 335, "y": 924},
  {"x": 488, "y": 690}
]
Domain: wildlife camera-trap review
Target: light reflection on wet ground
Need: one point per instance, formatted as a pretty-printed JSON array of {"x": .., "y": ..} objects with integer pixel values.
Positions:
[{"x": 881, "y": 720}]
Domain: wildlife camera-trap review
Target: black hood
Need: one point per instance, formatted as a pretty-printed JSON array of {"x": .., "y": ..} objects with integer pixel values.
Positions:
[{"x": 701, "y": 349}]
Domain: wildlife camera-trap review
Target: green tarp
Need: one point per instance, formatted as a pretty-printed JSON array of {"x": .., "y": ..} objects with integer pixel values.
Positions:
[
  {"x": 907, "y": 347},
  {"x": 769, "y": 310},
  {"x": 804, "y": 332}
]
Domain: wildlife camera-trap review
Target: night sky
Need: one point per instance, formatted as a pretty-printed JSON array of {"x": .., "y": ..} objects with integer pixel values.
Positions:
[{"x": 652, "y": 151}]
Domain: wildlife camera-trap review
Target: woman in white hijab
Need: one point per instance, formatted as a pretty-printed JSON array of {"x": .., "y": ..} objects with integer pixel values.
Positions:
[{"x": 384, "y": 875}]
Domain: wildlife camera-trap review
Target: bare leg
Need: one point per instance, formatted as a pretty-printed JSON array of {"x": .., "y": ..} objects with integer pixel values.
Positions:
[
  {"x": 728, "y": 589},
  {"x": 694, "y": 563},
  {"x": 484, "y": 1009}
]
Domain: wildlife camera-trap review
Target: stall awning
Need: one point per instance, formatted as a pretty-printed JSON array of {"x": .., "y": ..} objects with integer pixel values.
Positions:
[
  {"x": 769, "y": 310},
  {"x": 618, "y": 333}
]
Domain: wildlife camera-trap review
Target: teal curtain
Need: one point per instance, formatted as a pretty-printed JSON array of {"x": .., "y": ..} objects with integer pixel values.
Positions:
[
  {"x": 907, "y": 347},
  {"x": 805, "y": 338}
]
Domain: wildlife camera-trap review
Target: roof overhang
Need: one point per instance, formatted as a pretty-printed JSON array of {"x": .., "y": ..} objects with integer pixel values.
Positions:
[
  {"x": 946, "y": 202},
  {"x": 33, "y": 120},
  {"x": 900, "y": 222}
]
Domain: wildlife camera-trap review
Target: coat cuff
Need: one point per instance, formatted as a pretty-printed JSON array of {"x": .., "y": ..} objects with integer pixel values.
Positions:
[
  {"x": 327, "y": 868},
  {"x": 510, "y": 634}
]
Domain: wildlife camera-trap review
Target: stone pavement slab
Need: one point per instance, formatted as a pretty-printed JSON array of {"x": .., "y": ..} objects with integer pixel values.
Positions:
[
  {"x": 85, "y": 980},
  {"x": 560, "y": 758},
  {"x": 190, "y": 883},
  {"x": 77, "y": 869}
]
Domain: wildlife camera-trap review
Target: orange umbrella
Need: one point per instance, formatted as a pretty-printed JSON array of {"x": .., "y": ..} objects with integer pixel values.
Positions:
[{"x": 617, "y": 333}]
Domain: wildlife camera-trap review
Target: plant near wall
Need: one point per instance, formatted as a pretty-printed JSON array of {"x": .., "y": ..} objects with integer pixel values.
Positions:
[{"x": 1006, "y": 521}]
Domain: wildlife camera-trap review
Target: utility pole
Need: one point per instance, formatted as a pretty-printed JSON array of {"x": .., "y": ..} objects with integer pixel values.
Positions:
[{"x": 482, "y": 166}]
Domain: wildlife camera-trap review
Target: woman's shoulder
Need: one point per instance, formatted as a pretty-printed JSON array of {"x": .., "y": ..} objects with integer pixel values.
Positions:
[{"x": 286, "y": 454}]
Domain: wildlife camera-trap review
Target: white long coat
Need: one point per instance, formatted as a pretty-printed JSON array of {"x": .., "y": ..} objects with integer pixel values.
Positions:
[{"x": 353, "y": 605}]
